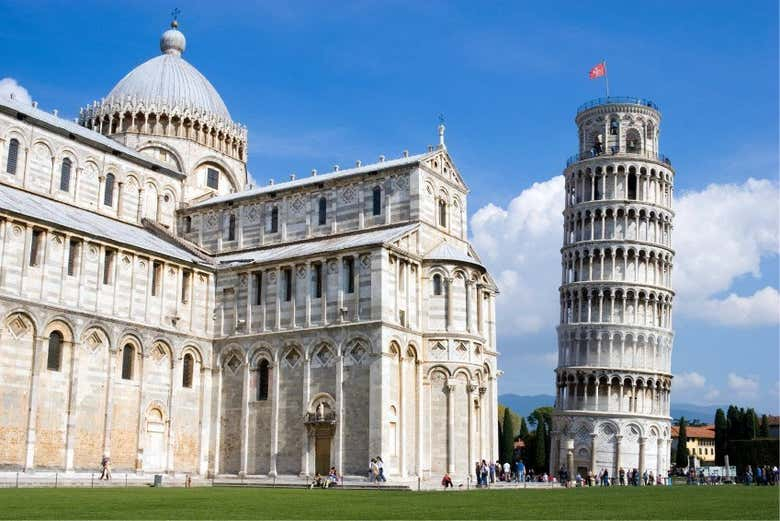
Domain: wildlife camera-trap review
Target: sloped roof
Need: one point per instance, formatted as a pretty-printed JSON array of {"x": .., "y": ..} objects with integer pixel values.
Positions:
[
  {"x": 447, "y": 252},
  {"x": 317, "y": 246},
  {"x": 75, "y": 131},
  {"x": 314, "y": 179},
  {"x": 39, "y": 208},
  {"x": 706, "y": 431}
]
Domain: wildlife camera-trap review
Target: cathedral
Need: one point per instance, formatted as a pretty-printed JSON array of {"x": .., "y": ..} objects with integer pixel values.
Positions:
[{"x": 157, "y": 309}]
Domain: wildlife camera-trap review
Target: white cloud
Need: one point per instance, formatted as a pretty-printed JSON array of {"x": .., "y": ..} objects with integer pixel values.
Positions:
[
  {"x": 521, "y": 245},
  {"x": 692, "y": 380},
  {"x": 760, "y": 308},
  {"x": 721, "y": 233},
  {"x": 743, "y": 386},
  {"x": 9, "y": 87}
]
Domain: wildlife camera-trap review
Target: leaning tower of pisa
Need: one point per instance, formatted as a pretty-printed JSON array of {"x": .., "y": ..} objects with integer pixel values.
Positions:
[{"x": 615, "y": 335}]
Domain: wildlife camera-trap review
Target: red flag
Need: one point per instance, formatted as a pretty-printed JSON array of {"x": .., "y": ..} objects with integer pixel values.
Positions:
[{"x": 598, "y": 71}]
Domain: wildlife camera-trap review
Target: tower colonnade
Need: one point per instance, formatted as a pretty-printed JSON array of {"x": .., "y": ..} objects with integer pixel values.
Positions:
[{"x": 613, "y": 380}]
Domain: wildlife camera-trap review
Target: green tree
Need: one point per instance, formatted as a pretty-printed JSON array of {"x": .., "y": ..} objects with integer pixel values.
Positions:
[
  {"x": 751, "y": 424},
  {"x": 524, "y": 429},
  {"x": 508, "y": 437},
  {"x": 541, "y": 418},
  {"x": 721, "y": 436},
  {"x": 763, "y": 430},
  {"x": 681, "y": 458},
  {"x": 735, "y": 423}
]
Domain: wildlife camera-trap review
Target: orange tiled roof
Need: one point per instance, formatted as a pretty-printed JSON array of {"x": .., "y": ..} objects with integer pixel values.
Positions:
[{"x": 706, "y": 431}]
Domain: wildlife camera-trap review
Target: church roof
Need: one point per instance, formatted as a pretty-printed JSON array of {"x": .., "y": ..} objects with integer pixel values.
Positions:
[
  {"x": 449, "y": 253},
  {"x": 314, "y": 179},
  {"x": 169, "y": 80},
  {"x": 318, "y": 246},
  {"x": 76, "y": 132},
  {"x": 38, "y": 208}
]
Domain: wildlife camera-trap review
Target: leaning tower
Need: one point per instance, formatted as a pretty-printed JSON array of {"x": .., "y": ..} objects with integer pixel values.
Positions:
[{"x": 615, "y": 335}]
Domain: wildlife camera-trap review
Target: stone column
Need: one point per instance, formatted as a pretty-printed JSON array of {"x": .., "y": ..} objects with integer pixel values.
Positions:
[
  {"x": 419, "y": 419},
  {"x": 73, "y": 401},
  {"x": 659, "y": 456},
  {"x": 308, "y": 294},
  {"x": 618, "y": 442},
  {"x": 176, "y": 375},
  {"x": 218, "y": 425},
  {"x": 470, "y": 389},
  {"x": 642, "y": 441},
  {"x": 570, "y": 459},
  {"x": 275, "y": 374},
  {"x": 339, "y": 435},
  {"x": 451, "y": 426},
  {"x": 402, "y": 415},
  {"x": 593, "y": 469},
  {"x": 204, "y": 423},
  {"x": 245, "y": 421},
  {"x": 448, "y": 313},
  {"x": 305, "y": 407}
]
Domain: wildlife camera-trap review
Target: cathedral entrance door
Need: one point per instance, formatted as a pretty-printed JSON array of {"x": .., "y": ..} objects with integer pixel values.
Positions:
[
  {"x": 154, "y": 448},
  {"x": 322, "y": 453}
]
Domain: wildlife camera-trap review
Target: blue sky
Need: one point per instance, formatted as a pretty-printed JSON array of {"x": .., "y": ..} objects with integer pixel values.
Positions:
[{"x": 324, "y": 83}]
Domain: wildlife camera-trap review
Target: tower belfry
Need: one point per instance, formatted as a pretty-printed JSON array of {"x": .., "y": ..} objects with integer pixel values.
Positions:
[{"x": 615, "y": 335}]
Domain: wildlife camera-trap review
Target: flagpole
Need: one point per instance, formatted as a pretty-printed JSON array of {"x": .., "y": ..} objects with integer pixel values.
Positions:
[{"x": 606, "y": 75}]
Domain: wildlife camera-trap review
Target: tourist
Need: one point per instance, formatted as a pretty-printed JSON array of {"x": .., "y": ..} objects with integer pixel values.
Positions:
[
  {"x": 188, "y": 481},
  {"x": 380, "y": 470},
  {"x": 591, "y": 479},
  {"x": 622, "y": 474},
  {"x": 507, "y": 471},
  {"x": 492, "y": 472},
  {"x": 373, "y": 471},
  {"x": 519, "y": 471},
  {"x": 644, "y": 478},
  {"x": 605, "y": 478},
  {"x": 333, "y": 478},
  {"x": 578, "y": 480},
  {"x": 316, "y": 482},
  {"x": 446, "y": 481},
  {"x": 483, "y": 471},
  {"x": 650, "y": 479},
  {"x": 478, "y": 473}
]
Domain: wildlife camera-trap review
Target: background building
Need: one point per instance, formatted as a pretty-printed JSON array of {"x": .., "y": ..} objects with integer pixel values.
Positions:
[
  {"x": 159, "y": 310},
  {"x": 701, "y": 442},
  {"x": 615, "y": 334}
]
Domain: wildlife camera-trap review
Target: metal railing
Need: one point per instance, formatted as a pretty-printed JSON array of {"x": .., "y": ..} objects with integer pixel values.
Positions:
[
  {"x": 313, "y": 417},
  {"x": 614, "y": 152},
  {"x": 612, "y": 100}
]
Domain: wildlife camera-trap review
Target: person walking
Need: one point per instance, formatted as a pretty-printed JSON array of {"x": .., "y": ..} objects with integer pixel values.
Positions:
[
  {"x": 507, "y": 471},
  {"x": 622, "y": 474},
  {"x": 380, "y": 470},
  {"x": 483, "y": 471},
  {"x": 492, "y": 470},
  {"x": 373, "y": 471}
]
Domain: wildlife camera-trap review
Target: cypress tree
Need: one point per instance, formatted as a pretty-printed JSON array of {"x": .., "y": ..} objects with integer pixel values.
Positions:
[
  {"x": 750, "y": 424},
  {"x": 508, "y": 437},
  {"x": 681, "y": 458},
  {"x": 763, "y": 430},
  {"x": 524, "y": 429},
  {"x": 721, "y": 436}
]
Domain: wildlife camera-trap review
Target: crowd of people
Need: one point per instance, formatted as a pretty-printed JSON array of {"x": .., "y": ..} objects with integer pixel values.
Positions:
[{"x": 764, "y": 475}]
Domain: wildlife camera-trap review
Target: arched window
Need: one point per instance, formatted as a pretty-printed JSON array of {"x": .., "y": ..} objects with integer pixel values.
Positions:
[
  {"x": 650, "y": 131},
  {"x": 65, "y": 175},
  {"x": 13, "y": 156},
  {"x": 377, "y": 200},
  {"x": 187, "y": 224},
  {"x": 437, "y": 284},
  {"x": 322, "y": 210},
  {"x": 633, "y": 141},
  {"x": 274, "y": 224},
  {"x": 262, "y": 381},
  {"x": 108, "y": 195},
  {"x": 442, "y": 213},
  {"x": 632, "y": 186},
  {"x": 128, "y": 357},
  {"x": 54, "y": 360},
  {"x": 212, "y": 178},
  {"x": 614, "y": 126},
  {"x": 232, "y": 227},
  {"x": 186, "y": 371}
]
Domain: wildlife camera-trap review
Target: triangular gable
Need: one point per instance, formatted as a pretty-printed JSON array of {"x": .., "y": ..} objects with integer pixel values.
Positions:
[{"x": 441, "y": 163}]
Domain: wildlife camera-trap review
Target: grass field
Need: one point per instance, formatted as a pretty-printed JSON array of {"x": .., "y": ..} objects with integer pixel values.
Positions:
[{"x": 733, "y": 502}]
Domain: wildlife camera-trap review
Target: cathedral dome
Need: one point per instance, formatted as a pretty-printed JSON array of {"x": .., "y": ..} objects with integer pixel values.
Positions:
[{"x": 169, "y": 80}]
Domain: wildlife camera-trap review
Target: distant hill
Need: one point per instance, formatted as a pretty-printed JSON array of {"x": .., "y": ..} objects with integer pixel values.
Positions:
[{"x": 524, "y": 405}]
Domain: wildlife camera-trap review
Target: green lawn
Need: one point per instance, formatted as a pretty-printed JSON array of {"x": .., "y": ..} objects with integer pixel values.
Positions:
[{"x": 732, "y": 502}]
